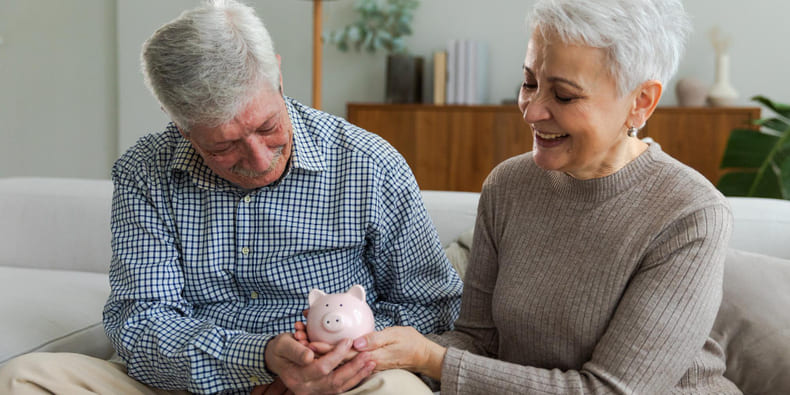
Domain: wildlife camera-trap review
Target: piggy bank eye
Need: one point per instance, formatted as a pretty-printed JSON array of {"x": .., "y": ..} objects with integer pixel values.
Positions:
[
  {"x": 327, "y": 305},
  {"x": 341, "y": 305}
]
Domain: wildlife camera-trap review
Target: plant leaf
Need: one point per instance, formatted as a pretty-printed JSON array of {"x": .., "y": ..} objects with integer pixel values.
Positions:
[
  {"x": 777, "y": 124},
  {"x": 784, "y": 168},
  {"x": 736, "y": 183},
  {"x": 747, "y": 148},
  {"x": 769, "y": 185},
  {"x": 378, "y": 24},
  {"x": 779, "y": 108},
  {"x": 353, "y": 33},
  {"x": 742, "y": 183}
]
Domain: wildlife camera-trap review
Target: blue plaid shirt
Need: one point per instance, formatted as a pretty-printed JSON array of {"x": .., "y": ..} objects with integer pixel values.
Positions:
[{"x": 204, "y": 274}]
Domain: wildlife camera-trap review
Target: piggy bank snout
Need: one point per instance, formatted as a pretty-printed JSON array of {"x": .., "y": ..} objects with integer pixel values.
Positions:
[{"x": 334, "y": 321}]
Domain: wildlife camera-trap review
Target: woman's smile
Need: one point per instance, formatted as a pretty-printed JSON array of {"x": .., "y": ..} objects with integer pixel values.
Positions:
[{"x": 548, "y": 139}]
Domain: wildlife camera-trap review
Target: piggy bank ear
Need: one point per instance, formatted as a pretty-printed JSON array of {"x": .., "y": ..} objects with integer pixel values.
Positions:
[
  {"x": 314, "y": 295},
  {"x": 358, "y": 292}
]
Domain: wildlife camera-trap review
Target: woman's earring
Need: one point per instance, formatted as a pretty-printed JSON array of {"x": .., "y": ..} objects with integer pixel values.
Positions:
[{"x": 632, "y": 131}]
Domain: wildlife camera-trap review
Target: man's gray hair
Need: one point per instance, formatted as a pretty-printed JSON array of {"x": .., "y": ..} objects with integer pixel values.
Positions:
[
  {"x": 208, "y": 63},
  {"x": 643, "y": 39}
]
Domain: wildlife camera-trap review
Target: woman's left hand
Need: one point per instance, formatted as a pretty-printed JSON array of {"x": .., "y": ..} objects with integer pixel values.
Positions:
[{"x": 402, "y": 347}]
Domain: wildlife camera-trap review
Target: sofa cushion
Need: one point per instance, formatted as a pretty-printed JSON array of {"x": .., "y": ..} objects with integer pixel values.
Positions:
[
  {"x": 458, "y": 252},
  {"x": 753, "y": 324},
  {"x": 451, "y": 212},
  {"x": 55, "y": 223},
  {"x": 761, "y": 225},
  {"x": 52, "y": 310}
]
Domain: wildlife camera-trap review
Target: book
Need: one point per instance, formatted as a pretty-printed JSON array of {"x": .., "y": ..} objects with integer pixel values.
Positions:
[
  {"x": 450, "y": 97},
  {"x": 470, "y": 79},
  {"x": 480, "y": 75},
  {"x": 440, "y": 77},
  {"x": 460, "y": 72},
  {"x": 466, "y": 72}
]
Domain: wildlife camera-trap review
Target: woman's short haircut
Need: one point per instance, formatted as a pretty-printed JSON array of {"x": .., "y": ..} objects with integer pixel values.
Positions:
[
  {"x": 643, "y": 39},
  {"x": 208, "y": 63}
]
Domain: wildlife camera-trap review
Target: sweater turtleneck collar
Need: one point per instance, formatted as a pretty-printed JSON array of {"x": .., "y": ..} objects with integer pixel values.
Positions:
[{"x": 596, "y": 190}]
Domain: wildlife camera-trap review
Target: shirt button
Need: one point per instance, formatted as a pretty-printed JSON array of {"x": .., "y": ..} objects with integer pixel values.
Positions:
[
  {"x": 255, "y": 380},
  {"x": 247, "y": 199},
  {"x": 245, "y": 251},
  {"x": 254, "y": 295}
]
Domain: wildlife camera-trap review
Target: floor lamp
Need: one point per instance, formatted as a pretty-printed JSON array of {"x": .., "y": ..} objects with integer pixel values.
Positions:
[{"x": 317, "y": 54}]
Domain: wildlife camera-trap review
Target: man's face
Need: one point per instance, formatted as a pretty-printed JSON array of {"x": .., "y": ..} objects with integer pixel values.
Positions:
[{"x": 252, "y": 149}]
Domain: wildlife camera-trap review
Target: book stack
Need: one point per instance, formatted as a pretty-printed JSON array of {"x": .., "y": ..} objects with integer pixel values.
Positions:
[{"x": 460, "y": 73}]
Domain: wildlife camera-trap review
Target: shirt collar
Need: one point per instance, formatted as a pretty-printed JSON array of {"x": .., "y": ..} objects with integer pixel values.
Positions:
[{"x": 305, "y": 154}]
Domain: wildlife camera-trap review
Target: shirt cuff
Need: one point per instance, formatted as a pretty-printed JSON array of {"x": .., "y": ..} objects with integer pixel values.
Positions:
[{"x": 245, "y": 358}]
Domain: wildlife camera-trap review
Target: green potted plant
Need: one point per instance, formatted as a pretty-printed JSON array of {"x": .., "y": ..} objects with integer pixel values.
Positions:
[
  {"x": 382, "y": 25},
  {"x": 759, "y": 160}
]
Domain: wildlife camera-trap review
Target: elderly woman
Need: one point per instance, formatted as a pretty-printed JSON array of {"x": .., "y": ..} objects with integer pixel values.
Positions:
[{"x": 597, "y": 259}]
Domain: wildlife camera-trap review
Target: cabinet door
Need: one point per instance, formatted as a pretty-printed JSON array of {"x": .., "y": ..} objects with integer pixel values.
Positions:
[
  {"x": 448, "y": 147},
  {"x": 697, "y": 136}
]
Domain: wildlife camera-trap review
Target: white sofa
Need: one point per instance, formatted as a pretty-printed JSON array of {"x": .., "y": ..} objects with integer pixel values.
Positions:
[{"x": 55, "y": 252}]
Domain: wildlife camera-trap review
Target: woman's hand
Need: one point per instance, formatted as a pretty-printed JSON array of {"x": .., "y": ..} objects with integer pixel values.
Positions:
[{"x": 402, "y": 347}]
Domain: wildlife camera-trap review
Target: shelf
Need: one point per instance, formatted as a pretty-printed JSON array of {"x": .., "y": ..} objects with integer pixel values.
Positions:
[{"x": 454, "y": 147}]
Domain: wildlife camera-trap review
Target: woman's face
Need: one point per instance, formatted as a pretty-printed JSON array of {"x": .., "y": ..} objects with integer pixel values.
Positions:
[{"x": 571, "y": 102}]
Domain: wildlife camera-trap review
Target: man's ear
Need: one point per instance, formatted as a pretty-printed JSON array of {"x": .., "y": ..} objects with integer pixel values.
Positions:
[
  {"x": 645, "y": 102},
  {"x": 183, "y": 133},
  {"x": 280, "y": 68}
]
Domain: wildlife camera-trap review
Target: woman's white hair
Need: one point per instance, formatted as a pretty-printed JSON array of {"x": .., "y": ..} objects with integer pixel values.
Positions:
[
  {"x": 205, "y": 65},
  {"x": 643, "y": 39}
]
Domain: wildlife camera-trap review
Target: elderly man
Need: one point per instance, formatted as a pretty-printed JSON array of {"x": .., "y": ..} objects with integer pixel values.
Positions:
[{"x": 225, "y": 221}]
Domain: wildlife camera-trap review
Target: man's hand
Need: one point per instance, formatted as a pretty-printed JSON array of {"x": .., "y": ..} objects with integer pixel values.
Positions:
[
  {"x": 305, "y": 373},
  {"x": 300, "y": 333},
  {"x": 275, "y": 388}
]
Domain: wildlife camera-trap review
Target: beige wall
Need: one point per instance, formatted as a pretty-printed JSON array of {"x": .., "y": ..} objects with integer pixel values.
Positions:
[
  {"x": 58, "y": 109},
  {"x": 72, "y": 97}
]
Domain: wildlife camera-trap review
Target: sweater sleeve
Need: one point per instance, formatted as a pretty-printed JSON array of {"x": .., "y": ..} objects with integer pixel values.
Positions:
[
  {"x": 475, "y": 329},
  {"x": 661, "y": 322}
]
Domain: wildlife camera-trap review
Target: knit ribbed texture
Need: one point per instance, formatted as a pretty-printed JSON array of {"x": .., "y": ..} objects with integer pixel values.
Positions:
[{"x": 609, "y": 285}]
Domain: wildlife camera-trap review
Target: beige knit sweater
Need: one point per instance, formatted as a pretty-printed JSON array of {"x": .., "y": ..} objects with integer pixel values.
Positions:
[{"x": 609, "y": 285}]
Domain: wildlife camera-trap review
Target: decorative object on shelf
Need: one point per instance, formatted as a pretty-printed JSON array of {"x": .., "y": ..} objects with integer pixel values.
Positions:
[
  {"x": 690, "y": 92},
  {"x": 404, "y": 78},
  {"x": 760, "y": 159},
  {"x": 317, "y": 56},
  {"x": 467, "y": 69},
  {"x": 382, "y": 25},
  {"x": 721, "y": 93}
]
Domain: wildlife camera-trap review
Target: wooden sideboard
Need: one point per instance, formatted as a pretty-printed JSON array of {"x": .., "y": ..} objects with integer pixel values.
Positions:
[{"x": 454, "y": 147}]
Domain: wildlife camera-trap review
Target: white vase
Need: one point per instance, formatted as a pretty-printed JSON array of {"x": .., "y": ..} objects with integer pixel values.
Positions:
[{"x": 722, "y": 93}]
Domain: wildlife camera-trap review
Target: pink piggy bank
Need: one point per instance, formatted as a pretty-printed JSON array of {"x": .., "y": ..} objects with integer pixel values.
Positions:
[{"x": 334, "y": 317}]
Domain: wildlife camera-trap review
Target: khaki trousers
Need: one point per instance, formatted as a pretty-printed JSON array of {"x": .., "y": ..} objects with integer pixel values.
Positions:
[{"x": 68, "y": 373}]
